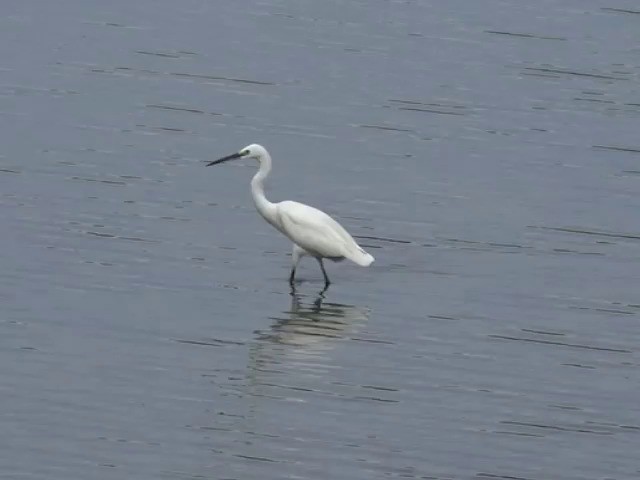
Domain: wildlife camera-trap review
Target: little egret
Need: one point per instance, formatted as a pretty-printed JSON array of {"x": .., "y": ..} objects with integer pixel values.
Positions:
[{"x": 313, "y": 232}]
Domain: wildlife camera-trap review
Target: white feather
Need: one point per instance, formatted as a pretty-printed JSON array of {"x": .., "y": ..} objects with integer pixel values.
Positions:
[{"x": 318, "y": 234}]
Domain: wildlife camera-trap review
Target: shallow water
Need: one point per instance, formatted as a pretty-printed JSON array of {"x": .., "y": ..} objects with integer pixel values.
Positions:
[{"x": 486, "y": 153}]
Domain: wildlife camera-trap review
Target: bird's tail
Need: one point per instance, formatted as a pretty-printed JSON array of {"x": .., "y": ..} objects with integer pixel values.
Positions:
[{"x": 359, "y": 256}]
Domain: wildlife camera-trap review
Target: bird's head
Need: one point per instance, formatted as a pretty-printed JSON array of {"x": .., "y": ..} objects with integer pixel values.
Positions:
[{"x": 254, "y": 150}]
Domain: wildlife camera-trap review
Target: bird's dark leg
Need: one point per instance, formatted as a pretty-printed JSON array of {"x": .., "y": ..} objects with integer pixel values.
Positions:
[
  {"x": 318, "y": 302},
  {"x": 295, "y": 257},
  {"x": 326, "y": 278}
]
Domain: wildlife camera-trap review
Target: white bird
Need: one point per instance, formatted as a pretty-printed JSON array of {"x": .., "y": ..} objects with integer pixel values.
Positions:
[{"x": 313, "y": 232}]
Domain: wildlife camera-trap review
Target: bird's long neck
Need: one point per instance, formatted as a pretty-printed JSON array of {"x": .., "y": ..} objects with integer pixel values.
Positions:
[{"x": 264, "y": 206}]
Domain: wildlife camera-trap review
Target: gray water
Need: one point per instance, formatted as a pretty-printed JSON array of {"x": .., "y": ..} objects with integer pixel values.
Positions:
[{"x": 486, "y": 153}]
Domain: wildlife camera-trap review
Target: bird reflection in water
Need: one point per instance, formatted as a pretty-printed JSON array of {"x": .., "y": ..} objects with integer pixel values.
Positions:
[
  {"x": 302, "y": 337},
  {"x": 312, "y": 325},
  {"x": 292, "y": 358}
]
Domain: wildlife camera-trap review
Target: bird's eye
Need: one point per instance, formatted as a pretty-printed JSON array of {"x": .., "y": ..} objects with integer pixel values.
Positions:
[{"x": 244, "y": 153}]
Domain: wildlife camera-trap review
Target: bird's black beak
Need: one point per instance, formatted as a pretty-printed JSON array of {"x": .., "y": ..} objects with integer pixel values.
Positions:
[{"x": 225, "y": 159}]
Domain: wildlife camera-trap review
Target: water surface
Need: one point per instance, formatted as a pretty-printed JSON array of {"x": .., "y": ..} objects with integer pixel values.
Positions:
[{"x": 486, "y": 153}]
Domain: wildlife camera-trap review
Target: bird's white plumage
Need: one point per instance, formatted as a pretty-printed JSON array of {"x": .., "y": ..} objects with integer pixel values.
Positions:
[
  {"x": 318, "y": 234},
  {"x": 312, "y": 231}
]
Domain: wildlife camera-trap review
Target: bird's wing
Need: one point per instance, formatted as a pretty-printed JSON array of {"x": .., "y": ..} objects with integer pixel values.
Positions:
[
  {"x": 310, "y": 228},
  {"x": 318, "y": 233}
]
